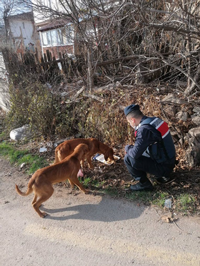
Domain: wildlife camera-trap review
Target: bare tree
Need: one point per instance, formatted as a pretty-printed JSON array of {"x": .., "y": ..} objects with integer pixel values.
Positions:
[{"x": 136, "y": 41}]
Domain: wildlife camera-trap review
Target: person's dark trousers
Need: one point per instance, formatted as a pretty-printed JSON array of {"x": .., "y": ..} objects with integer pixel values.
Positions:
[{"x": 138, "y": 168}]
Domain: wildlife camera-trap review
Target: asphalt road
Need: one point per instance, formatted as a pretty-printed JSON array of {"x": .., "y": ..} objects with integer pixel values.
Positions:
[{"x": 89, "y": 230}]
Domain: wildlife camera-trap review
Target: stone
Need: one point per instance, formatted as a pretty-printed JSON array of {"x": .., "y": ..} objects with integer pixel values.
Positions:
[
  {"x": 21, "y": 133},
  {"x": 183, "y": 116},
  {"x": 196, "y": 120},
  {"x": 196, "y": 109},
  {"x": 193, "y": 155},
  {"x": 193, "y": 151},
  {"x": 194, "y": 132}
]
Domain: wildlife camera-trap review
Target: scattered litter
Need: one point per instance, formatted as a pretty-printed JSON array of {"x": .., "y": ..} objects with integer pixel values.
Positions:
[
  {"x": 43, "y": 149},
  {"x": 168, "y": 203},
  {"x": 22, "y": 165},
  {"x": 8, "y": 174},
  {"x": 95, "y": 157},
  {"x": 169, "y": 218},
  {"x": 101, "y": 159},
  {"x": 49, "y": 144}
]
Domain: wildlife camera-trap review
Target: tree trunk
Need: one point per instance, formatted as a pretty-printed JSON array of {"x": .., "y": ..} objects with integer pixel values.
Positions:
[{"x": 90, "y": 70}]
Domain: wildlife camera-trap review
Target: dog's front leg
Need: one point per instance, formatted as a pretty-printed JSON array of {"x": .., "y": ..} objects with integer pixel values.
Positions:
[
  {"x": 75, "y": 181},
  {"x": 82, "y": 163},
  {"x": 91, "y": 166},
  {"x": 71, "y": 185}
]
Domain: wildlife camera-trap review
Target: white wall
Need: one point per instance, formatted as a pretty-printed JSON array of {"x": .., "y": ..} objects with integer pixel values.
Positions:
[
  {"x": 40, "y": 9},
  {"x": 4, "y": 89},
  {"x": 26, "y": 28}
]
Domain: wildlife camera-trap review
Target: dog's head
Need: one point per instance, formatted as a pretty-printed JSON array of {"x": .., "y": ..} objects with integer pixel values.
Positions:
[{"x": 109, "y": 154}]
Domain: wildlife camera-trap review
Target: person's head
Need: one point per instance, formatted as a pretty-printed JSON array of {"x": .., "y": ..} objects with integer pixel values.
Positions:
[{"x": 133, "y": 115}]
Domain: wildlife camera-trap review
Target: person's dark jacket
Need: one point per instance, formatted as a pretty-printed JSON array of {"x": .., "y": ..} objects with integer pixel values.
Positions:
[{"x": 149, "y": 139}]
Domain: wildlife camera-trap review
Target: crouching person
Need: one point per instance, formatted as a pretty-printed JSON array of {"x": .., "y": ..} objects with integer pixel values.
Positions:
[{"x": 153, "y": 151}]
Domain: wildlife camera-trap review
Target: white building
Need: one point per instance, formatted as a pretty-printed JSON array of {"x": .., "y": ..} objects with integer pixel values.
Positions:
[{"x": 22, "y": 32}]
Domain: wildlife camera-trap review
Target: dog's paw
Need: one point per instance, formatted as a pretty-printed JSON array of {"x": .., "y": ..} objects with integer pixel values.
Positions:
[
  {"x": 87, "y": 192},
  {"x": 43, "y": 214}
]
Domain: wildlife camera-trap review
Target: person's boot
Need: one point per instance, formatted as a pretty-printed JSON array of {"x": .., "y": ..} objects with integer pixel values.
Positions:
[
  {"x": 165, "y": 179},
  {"x": 141, "y": 186}
]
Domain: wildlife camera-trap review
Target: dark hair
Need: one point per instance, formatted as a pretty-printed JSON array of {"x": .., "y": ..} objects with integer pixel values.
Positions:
[{"x": 135, "y": 114}]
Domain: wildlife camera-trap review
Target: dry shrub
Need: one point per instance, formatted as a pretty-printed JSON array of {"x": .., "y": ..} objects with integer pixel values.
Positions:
[
  {"x": 33, "y": 105},
  {"x": 50, "y": 117}
]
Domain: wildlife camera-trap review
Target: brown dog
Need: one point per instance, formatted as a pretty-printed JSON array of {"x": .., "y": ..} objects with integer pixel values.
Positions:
[
  {"x": 94, "y": 145},
  {"x": 41, "y": 181}
]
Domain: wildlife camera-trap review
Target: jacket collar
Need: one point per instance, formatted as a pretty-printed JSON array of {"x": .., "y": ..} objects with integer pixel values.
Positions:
[{"x": 143, "y": 118}]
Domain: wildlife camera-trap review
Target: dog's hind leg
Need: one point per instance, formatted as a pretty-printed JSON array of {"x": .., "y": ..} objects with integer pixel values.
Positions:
[
  {"x": 34, "y": 199},
  {"x": 44, "y": 196}
]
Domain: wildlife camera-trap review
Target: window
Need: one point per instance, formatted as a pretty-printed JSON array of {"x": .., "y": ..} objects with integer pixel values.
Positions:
[
  {"x": 49, "y": 37},
  {"x": 60, "y": 33},
  {"x": 61, "y": 36},
  {"x": 53, "y": 37},
  {"x": 46, "y": 38}
]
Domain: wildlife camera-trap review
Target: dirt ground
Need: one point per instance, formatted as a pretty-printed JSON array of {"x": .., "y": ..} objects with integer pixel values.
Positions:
[
  {"x": 91, "y": 229},
  {"x": 116, "y": 176}
]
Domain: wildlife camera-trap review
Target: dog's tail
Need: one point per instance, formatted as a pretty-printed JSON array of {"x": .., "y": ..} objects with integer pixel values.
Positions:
[{"x": 29, "y": 190}]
